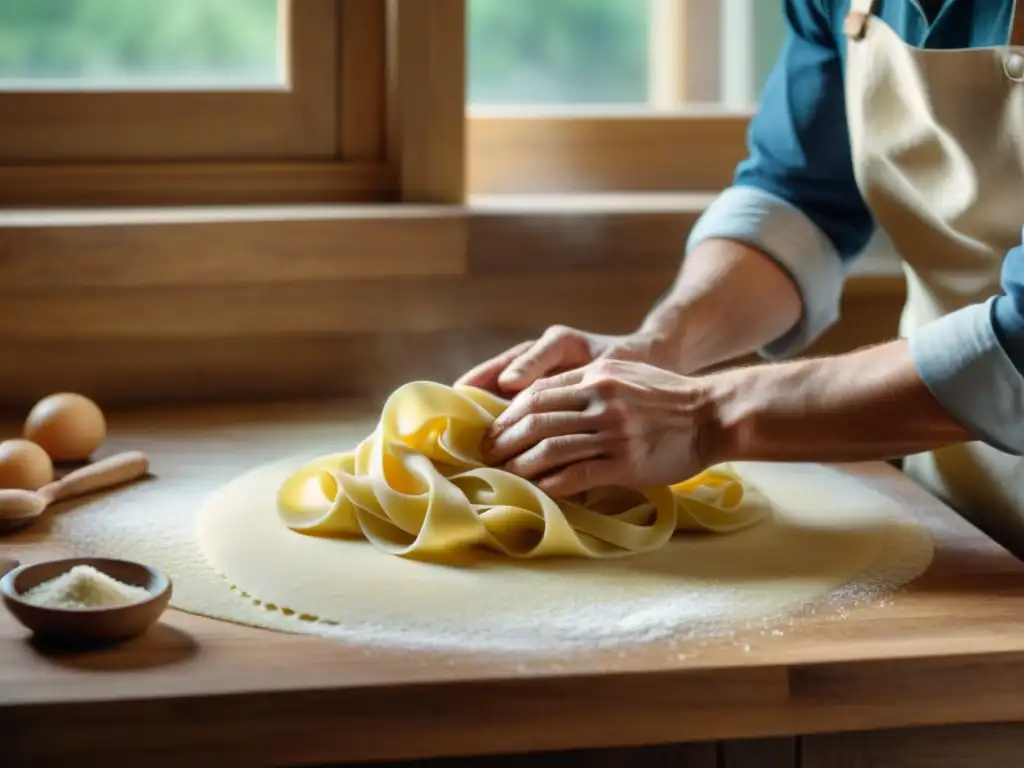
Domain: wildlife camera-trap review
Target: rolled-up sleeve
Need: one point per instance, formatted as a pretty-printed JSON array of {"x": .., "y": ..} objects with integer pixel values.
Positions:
[
  {"x": 795, "y": 197},
  {"x": 972, "y": 362},
  {"x": 778, "y": 229}
]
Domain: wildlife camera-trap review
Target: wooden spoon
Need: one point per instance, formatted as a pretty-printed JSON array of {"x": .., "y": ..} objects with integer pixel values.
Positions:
[{"x": 20, "y": 508}]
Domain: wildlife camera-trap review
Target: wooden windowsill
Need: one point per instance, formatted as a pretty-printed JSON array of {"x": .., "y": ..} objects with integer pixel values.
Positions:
[
  {"x": 878, "y": 260},
  {"x": 875, "y": 262},
  {"x": 156, "y": 306}
]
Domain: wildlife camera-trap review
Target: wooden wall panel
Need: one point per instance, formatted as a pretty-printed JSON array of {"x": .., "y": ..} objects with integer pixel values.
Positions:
[
  {"x": 69, "y": 261},
  {"x": 257, "y": 366},
  {"x": 962, "y": 746},
  {"x": 556, "y": 238},
  {"x": 702, "y": 755},
  {"x": 237, "y": 368},
  {"x": 603, "y": 302},
  {"x": 760, "y": 753}
]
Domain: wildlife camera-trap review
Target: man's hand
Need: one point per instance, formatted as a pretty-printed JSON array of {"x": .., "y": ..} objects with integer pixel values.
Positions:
[
  {"x": 559, "y": 349},
  {"x": 610, "y": 423}
]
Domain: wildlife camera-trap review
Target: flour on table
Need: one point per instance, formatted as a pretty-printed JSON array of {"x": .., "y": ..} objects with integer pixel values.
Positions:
[{"x": 831, "y": 533}]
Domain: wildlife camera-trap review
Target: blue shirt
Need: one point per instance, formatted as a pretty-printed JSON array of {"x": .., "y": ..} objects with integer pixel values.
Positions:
[{"x": 795, "y": 198}]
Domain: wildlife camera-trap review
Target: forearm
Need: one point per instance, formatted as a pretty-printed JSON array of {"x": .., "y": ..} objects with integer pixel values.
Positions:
[
  {"x": 866, "y": 405},
  {"x": 729, "y": 300}
]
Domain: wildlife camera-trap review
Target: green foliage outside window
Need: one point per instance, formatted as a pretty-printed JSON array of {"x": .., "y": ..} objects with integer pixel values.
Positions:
[
  {"x": 117, "y": 40},
  {"x": 558, "y": 51}
]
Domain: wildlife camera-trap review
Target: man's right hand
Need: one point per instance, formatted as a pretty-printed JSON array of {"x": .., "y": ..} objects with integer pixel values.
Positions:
[{"x": 559, "y": 349}]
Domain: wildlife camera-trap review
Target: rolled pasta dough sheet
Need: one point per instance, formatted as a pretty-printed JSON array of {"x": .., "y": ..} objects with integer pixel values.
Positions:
[{"x": 831, "y": 539}]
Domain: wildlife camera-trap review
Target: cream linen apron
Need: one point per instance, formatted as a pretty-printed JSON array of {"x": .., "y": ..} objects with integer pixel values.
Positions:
[{"x": 938, "y": 150}]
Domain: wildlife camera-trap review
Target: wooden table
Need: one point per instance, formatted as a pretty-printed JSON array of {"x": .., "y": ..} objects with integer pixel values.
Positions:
[{"x": 949, "y": 650}]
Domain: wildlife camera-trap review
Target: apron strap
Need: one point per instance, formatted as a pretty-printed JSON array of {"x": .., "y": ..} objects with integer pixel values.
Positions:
[
  {"x": 856, "y": 21},
  {"x": 1017, "y": 24}
]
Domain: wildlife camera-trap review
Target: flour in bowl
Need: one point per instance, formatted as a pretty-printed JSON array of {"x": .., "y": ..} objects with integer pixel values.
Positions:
[{"x": 82, "y": 588}]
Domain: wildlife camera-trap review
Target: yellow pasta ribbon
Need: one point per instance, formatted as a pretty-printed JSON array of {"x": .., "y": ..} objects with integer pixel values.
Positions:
[{"x": 418, "y": 487}]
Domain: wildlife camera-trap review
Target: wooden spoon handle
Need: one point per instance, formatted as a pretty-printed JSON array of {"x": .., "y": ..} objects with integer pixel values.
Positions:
[{"x": 115, "y": 470}]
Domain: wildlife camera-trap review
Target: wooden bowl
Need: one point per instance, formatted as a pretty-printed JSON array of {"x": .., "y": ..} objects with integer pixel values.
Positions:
[{"x": 87, "y": 624}]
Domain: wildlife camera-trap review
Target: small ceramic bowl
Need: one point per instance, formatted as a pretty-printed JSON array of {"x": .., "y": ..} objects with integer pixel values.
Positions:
[{"x": 88, "y": 624}]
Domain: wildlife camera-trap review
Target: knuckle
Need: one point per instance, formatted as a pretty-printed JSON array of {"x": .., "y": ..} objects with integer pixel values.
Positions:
[
  {"x": 536, "y": 425},
  {"x": 553, "y": 446},
  {"x": 616, "y": 417},
  {"x": 556, "y": 332},
  {"x": 606, "y": 387},
  {"x": 533, "y": 401},
  {"x": 516, "y": 466},
  {"x": 531, "y": 423},
  {"x": 565, "y": 336}
]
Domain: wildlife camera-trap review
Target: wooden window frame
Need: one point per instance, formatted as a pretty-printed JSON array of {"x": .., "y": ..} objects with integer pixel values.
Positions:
[
  {"x": 373, "y": 138},
  {"x": 413, "y": 143},
  {"x": 580, "y": 153}
]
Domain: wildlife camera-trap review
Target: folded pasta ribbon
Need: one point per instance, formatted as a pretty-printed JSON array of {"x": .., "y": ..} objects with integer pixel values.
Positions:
[{"x": 418, "y": 487}]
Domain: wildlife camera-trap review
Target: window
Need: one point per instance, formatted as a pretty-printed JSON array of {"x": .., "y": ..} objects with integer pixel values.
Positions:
[
  {"x": 129, "y": 93},
  {"x": 122, "y": 102},
  {"x": 588, "y": 95},
  {"x": 113, "y": 102}
]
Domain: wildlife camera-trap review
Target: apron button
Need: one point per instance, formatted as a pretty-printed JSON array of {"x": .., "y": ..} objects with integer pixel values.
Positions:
[{"x": 1013, "y": 66}]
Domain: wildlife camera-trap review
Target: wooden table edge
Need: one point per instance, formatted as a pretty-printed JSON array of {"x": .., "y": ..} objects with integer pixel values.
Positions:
[{"x": 476, "y": 717}]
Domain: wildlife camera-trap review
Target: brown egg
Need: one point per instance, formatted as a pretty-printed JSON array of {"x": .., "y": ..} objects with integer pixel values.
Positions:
[
  {"x": 25, "y": 465},
  {"x": 69, "y": 427}
]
